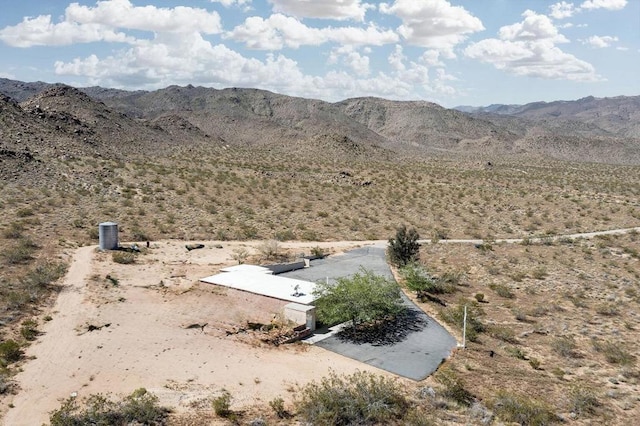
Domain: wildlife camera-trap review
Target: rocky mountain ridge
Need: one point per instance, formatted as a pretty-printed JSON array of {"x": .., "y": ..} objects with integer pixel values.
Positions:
[{"x": 109, "y": 122}]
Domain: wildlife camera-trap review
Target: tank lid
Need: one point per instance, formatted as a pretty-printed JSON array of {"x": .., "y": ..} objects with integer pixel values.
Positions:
[{"x": 108, "y": 224}]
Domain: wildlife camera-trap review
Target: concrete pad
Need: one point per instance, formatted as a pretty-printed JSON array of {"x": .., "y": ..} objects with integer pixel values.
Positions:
[
  {"x": 289, "y": 289},
  {"x": 416, "y": 356}
]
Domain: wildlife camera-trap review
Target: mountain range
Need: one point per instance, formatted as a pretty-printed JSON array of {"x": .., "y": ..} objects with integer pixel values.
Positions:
[{"x": 38, "y": 120}]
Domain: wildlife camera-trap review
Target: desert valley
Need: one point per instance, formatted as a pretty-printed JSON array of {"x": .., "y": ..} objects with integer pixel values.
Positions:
[{"x": 503, "y": 199}]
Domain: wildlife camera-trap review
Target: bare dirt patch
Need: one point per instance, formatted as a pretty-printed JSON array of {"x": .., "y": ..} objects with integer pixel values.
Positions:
[{"x": 119, "y": 327}]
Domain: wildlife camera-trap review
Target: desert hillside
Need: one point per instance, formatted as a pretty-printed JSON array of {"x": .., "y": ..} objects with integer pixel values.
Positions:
[{"x": 242, "y": 166}]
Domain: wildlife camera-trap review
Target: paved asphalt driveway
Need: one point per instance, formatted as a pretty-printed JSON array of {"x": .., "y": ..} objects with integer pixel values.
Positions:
[{"x": 416, "y": 353}]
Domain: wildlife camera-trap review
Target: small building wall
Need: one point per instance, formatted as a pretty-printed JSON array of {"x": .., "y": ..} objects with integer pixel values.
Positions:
[
  {"x": 301, "y": 314},
  {"x": 280, "y": 268}
]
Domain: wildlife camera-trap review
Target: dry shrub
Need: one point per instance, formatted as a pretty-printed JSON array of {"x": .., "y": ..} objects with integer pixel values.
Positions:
[
  {"x": 362, "y": 398},
  {"x": 522, "y": 410},
  {"x": 123, "y": 257}
]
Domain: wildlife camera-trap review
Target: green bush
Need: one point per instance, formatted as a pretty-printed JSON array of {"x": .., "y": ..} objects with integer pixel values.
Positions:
[
  {"x": 222, "y": 404},
  {"x": 503, "y": 333},
  {"x": 517, "y": 352},
  {"x": 277, "y": 404},
  {"x": 522, "y": 410},
  {"x": 29, "y": 330},
  {"x": 417, "y": 279},
  {"x": 10, "y": 351},
  {"x": 141, "y": 407},
  {"x": 404, "y": 248},
  {"x": 14, "y": 230},
  {"x": 360, "y": 399},
  {"x": 361, "y": 298},
  {"x": 286, "y": 235},
  {"x": 534, "y": 363},
  {"x": 317, "y": 251}
]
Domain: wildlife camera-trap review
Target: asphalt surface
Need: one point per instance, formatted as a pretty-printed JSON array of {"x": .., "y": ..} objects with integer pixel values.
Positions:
[{"x": 421, "y": 344}]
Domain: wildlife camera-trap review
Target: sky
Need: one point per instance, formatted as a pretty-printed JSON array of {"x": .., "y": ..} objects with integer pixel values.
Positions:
[{"x": 452, "y": 52}]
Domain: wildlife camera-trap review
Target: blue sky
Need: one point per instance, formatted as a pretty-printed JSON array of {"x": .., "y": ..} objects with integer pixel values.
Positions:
[{"x": 452, "y": 52}]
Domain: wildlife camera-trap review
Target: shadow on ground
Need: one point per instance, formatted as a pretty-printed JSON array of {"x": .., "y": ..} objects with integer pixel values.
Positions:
[{"x": 387, "y": 332}]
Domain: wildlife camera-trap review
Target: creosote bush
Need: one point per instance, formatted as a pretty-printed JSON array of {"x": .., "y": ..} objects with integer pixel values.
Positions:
[
  {"x": 141, "y": 407},
  {"x": 44, "y": 273},
  {"x": 614, "y": 353},
  {"x": 359, "y": 399},
  {"x": 454, "y": 386},
  {"x": 404, "y": 248},
  {"x": 522, "y": 410},
  {"x": 583, "y": 401},
  {"x": 416, "y": 278},
  {"x": 123, "y": 257},
  {"x": 277, "y": 405},
  {"x": 222, "y": 404},
  {"x": 10, "y": 351}
]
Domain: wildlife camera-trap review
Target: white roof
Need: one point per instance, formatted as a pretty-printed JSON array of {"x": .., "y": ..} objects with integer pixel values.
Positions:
[
  {"x": 247, "y": 268},
  {"x": 267, "y": 285}
]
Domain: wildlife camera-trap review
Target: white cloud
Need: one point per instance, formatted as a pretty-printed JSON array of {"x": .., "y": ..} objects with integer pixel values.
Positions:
[
  {"x": 228, "y": 3},
  {"x": 604, "y": 4},
  {"x": 432, "y": 58},
  {"x": 528, "y": 48},
  {"x": 275, "y": 32},
  {"x": 435, "y": 24},
  {"x": 181, "y": 59},
  {"x": 600, "y": 42},
  {"x": 123, "y": 14},
  {"x": 348, "y": 56},
  {"x": 84, "y": 24},
  {"x": 396, "y": 59},
  {"x": 279, "y": 31},
  {"x": 40, "y": 31},
  {"x": 533, "y": 27},
  {"x": 326, "y": 9},
  {"x": 562, "y": 10}
]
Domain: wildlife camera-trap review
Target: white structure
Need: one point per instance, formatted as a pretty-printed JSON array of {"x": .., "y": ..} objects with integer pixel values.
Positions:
[
  {"x": 108, "y": 233},
  {"x": 259, "y": 280},
  {"x": 301, "y": 314},
  {"x": 248, "y": 278}
]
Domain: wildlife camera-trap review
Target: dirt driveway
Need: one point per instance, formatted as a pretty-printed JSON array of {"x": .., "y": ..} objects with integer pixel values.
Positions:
[{"x": 414, "y": 349}]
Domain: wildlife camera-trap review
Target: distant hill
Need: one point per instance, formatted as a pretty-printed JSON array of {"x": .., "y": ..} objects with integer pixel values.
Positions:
[
  {"x": 54, "y": 118},
  {"x": 619, "y": 116}
]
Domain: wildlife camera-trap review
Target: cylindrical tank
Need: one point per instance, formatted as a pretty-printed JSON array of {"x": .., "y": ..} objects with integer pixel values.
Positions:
[{"x": 108, "y": 232}]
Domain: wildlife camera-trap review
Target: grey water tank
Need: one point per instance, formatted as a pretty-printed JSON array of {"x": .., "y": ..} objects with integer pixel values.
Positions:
[{"x": 108, "y": 232}]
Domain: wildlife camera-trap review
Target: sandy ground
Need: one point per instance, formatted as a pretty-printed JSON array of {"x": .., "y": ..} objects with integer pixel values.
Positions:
[{"x": 143, "y": 340}]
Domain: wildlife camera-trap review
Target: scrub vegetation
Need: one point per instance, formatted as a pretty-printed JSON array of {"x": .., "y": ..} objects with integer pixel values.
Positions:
[{"x": 554, "y": 315}]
